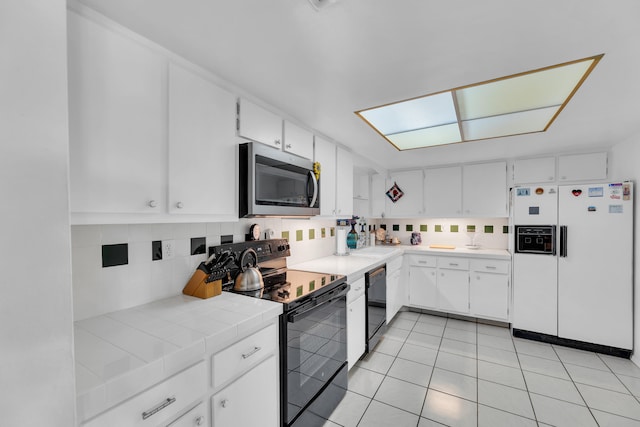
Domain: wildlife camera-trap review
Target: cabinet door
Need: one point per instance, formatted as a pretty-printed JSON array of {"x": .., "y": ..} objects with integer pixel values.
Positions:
[
  {"x": 344, "y": 183},
  {"x": 484, "y": 190},
  {"x": 453, "y": 290},
  {"x": 489, "y": 295},
  {"x": 410, "y": 204},
  {"x": 361, "y": 196},
  {"x": 534, "y": 170},
  {"x": 297, "y": 140},
  {"x": 325, "y": 154},
  {"x": 423, "y": 289},
  {"x": 361, "y": 187},
  {"x": 257, "y": 124},
  {"x": 251, "y": 400},
  {"x": 356, "y": 319},
  {"x": 396, "y": 294},
  {"x": 378, "y": 196},
  {"x": 117, "y": 122},
  {"x": 442, "y": 192},
  {"x": 580, "y": 167},
  {"x": 201, "y": 141}
]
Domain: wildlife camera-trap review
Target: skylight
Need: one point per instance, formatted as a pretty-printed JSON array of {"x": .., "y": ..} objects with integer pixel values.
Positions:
[{"x": 513, "y": 105}]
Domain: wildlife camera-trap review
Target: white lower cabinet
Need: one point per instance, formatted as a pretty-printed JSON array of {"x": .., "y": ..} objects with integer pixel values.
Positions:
[
  {"x": 195, "y": 417},
  {"x": 489, "y": 289},
  {"x": 251, "y": 400},
  {"x": 423, "y": 288},
  {"x": 453, "y": 290},
  {"x": 478, "y": 287},
  {"x": 397, "y": 287},
  {"x": 158, "y": 404},
  {"x": 356, "y": 331}
]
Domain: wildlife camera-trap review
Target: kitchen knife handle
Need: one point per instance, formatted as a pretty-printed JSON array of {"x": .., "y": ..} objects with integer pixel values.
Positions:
[{"x": 563, "y": 241}]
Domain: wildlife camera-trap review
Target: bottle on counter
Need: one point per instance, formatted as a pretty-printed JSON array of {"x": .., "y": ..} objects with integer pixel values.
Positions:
[{"x": 372, "y": 236}]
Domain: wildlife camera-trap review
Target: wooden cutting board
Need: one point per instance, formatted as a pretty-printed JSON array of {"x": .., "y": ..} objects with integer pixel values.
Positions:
[{"x": 442, "y": 247}]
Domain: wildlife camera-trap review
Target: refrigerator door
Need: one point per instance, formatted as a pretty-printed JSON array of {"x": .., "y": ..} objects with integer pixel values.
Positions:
[
  {"x": 535, "y": 205},
  {"x": 535, "y": 293},
  {"x": 595, "y": 288}
]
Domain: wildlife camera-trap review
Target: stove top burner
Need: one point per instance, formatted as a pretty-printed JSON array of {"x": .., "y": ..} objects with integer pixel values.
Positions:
[{"x": 287, "y": 286}]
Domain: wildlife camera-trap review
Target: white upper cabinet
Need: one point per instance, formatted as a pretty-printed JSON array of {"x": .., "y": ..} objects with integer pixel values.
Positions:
[
  {"x": 484, "y": 190},
  {"x": 581, "y": 167},
  {"x": 257, "y": 124},
  {"x": 297, "y": 140},
  {"x": 344, "y": 183},
  {"x": 117, "y": 122},
  {"x": 201, "y": 140},
  {"x": 378, "y": 196},
  {"x": 534, "y": 170},
  {"x": 410, "y": 204},
  {"x": 325, "y": 154},
  {"x": 361, "y": 187},
  {"x": 442, "y": 195}
]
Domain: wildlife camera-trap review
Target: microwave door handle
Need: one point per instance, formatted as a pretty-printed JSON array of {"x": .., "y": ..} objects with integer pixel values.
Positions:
[{"x": 315, "y": 189}]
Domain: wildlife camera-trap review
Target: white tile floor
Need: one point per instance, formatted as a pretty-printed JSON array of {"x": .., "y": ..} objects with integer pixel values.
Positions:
[{"x": 431, "y": 371}]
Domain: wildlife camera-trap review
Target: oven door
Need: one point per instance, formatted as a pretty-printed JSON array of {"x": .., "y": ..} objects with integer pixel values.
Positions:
[{"x": 314, "y": 360}]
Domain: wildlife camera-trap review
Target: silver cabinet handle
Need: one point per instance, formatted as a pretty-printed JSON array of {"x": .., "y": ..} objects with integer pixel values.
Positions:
[
  {"x": 288, "y": 145},
  {"x": 168, "y": 401},
  {"x": 490, "y": 267},
  {"x": 422, "y": 262},
  {"x": 251, "y": 353},
  {"x": 277, "y": 142},
  {"x": 224, "y": 403},
  {"x": 453, "y": 264},
  {"x": 199, "y": 421},
  {"x": 179, "y": 205},
  {"x": 152, "y": 204}
]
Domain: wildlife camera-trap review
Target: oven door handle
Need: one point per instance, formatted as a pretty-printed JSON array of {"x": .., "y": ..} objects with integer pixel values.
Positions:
[{"x": 299, "y": 315}]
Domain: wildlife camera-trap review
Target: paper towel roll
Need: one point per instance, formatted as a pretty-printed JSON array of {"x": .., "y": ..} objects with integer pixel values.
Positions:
[{"x": 341, "y": 241}]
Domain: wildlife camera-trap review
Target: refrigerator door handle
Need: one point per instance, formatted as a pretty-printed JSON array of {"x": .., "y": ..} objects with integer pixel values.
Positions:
[{"x": 563, "y": 241}]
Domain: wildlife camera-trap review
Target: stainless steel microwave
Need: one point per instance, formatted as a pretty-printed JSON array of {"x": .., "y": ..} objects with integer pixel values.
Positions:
[{"x": 276, "y": 183}]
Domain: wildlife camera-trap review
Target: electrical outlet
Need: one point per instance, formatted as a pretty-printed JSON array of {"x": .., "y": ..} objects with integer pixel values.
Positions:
[{"x": 168, "y": 249}]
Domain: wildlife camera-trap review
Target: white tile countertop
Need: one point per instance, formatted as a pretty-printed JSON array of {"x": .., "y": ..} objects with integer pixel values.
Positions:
[
  {"x": 119, "y": 354},
  {"x": 359, "y": 261}
]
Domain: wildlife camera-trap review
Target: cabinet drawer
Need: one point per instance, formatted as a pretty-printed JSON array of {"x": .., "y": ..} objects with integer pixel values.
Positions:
[
  {"x": 453, "y": 263},
  {"x": 422, "y": 261},
  {"x": 159, "y": 403},
  {"x": 196, "y": 417},
  {"x": 394, "y": 264},
  {"x": 490, "y": 266},
  {"x": 239, "y": 357}
]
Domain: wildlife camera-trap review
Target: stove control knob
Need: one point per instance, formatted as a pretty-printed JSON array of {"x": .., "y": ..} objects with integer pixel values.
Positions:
[{"x": 283, "y": 294}]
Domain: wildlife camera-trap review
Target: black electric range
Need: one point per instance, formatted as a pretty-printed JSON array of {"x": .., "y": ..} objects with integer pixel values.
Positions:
[{"x": 313, "y": 331}]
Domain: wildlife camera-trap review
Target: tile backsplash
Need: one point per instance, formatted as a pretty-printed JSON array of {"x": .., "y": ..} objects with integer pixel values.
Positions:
[
  {"x": 98, "y": 290},
  {"x": 490, "y": 233}
]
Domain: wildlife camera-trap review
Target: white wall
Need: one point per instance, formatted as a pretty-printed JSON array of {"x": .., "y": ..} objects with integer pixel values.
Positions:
[
  {"x": 36, "y": 339},
  {"x": 98, "y": 290},
  {"x": 625, "y": 164}
]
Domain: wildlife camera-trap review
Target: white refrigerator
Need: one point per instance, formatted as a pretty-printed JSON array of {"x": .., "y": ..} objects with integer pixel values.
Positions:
[{"x": 583, "y": 289}]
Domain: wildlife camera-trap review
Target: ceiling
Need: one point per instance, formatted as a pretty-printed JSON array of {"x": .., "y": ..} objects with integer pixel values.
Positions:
[{"x": 321, "y": 66}]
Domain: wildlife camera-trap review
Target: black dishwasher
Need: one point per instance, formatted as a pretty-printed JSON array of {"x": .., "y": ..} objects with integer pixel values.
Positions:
[{"x": 376, "y": 296}]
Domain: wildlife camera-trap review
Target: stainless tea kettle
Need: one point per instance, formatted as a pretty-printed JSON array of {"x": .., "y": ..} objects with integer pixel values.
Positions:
[{"x": 249, "y": 278}]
